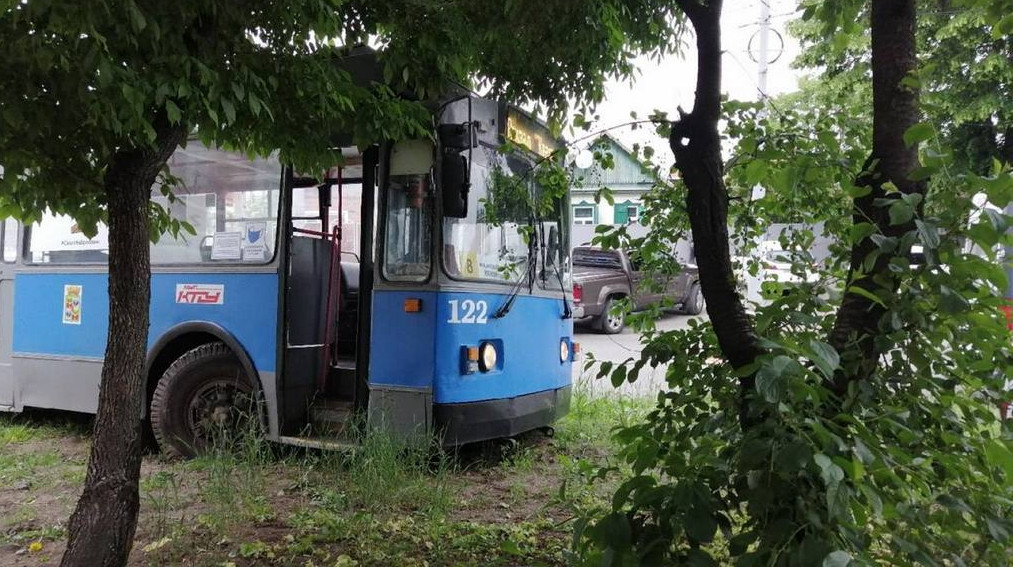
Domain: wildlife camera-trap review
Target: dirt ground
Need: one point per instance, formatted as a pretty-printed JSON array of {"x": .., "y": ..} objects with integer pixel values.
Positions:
[{"x": 495, "y": 504}]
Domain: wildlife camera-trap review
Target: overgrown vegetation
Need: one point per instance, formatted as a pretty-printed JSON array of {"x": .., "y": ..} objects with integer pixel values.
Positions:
[
  {"x": 252, "y": 502},
  {"x": 881, "y": 444}
]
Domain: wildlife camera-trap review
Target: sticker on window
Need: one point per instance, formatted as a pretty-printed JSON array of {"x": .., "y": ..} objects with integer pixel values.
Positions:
[
  {"x": 200, "y": 294},
  {"x": 227, "y": 246},
  {"x": 72, "y": 304}
]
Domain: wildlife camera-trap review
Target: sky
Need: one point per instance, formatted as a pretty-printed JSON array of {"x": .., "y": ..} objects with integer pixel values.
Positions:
[{"x": 670, "y": 83}]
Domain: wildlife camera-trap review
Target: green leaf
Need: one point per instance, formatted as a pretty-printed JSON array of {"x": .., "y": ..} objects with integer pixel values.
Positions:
[
  {"x": 825, "y": 357},
  {"x": 901, "y": 212},
  {"x": 999, "y": 454},
  {"x": 837, "y": 559},
  {"x": 230, "y": 110},
  {"x": 862, "y": 231},
  {"x": 951, "y": 301},
  {"x": 918, "y": 133},
  {"x": 928, "y": 233},
  {"x": 699, "y": 558},
  {"x": 922, "y": 173},
  {"x": 866, "y": 294},
  {"x": 700, "y": 524},
  {"x": 755, "y": 171},
  {"x": 137, "y": 19},
  {"x": 859, "y": 191},
  {"x": 771, "y": 381},
  {"x": 173, "y": 112},
  {"x": 998, "y": 528}
]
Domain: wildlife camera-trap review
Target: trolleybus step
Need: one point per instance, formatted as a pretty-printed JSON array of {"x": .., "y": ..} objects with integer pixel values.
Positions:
[{"x": 329, "y": 417}]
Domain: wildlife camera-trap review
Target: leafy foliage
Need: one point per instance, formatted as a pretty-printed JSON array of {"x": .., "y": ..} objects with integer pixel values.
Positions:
[
  {"x": 908, "y": 466},
  {"x": 965, "y": 84},
  {"x": 911, "y": 468}
]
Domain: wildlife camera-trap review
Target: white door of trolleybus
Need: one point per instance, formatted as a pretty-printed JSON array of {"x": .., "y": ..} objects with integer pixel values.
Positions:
[{"x": 9, "y": 230}]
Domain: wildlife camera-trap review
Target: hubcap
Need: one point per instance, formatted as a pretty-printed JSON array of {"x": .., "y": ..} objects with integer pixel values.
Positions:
[
  {"x": 219, "y": 406},
  {"x": 614, "y": 321}
]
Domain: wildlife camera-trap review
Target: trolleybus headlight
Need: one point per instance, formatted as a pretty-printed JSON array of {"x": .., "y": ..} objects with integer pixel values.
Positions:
[
  {"x": 564, "y": 351},
  {"x": 487, "y": 357}
]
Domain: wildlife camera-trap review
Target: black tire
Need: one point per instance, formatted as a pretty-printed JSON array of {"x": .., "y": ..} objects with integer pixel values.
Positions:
[
  {"x": 204, "y": 394},
  {"x": 609, "y": 323},
  {"x": 694, "y": 301}
]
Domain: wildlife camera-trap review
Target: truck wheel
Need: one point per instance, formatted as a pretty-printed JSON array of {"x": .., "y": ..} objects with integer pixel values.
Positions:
[
  {"x": 203, "y": 399},
  {"x": 608, "y": 322},
  {"x": 694, "y": 301}
]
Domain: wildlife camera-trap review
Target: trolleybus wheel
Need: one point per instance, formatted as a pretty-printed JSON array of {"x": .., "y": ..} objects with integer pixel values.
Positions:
[{"x": 204, "y": 400}]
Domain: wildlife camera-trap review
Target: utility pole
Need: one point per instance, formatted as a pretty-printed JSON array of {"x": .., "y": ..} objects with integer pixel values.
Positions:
[
  {"x": 753, "y": 283},
  {"x": 764, "y": 57}
]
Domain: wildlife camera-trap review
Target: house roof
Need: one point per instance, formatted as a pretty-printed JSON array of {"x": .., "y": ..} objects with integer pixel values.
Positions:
[{"x": 627, "y": 169}]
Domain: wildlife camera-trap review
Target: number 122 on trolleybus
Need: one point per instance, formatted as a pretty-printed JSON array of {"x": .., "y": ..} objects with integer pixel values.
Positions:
[{"x": 390, "y": 289}]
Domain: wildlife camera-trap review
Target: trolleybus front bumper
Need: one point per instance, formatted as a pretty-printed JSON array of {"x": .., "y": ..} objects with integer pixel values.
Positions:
[{"x": 470, "y": 422}]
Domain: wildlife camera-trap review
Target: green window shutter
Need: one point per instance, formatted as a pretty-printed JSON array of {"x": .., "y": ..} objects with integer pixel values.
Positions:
[{"x": 622, "y": 212}]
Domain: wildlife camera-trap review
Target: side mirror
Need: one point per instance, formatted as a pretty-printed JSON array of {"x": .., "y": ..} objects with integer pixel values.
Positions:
[
  {"x": 455, "y": 136},
  {"x": 454, "y": 185},
  {"x": 554, "y": 245}
]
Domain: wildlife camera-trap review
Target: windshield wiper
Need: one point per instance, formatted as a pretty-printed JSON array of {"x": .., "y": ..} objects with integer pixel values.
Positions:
[
  {"x": 567, "y": 313},
  {"x": 530, "y": 268}
]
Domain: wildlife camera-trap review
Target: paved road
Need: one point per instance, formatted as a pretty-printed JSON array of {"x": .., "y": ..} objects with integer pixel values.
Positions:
[{"x": 618, "y": 348}]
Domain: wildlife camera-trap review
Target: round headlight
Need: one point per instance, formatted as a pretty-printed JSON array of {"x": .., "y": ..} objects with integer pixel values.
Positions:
[
  {"x": 564, "y": 351},
  {"x": 486, "y": 357}
]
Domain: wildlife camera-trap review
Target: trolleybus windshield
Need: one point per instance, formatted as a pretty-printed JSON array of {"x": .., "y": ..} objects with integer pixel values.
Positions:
[{"x": 505, "y": 214}]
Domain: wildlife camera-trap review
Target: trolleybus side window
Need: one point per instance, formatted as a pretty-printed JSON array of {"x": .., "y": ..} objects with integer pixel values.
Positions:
[
  {"x": 230, "y": 201},
  {"x": 409, "y": 210}
]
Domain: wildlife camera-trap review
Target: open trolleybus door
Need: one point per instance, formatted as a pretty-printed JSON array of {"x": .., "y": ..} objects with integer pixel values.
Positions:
[{"x": 321, "y": 320}]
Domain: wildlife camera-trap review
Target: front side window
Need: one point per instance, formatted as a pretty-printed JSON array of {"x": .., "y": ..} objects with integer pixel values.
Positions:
[
  {"x": 230, "y": 201},
  {"x": 409, "y": 226},
  {"x": 409, "y": 213}
]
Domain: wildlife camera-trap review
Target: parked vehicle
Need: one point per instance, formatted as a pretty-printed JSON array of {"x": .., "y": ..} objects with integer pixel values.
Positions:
[
  {"x": 776, "y": 270},
  {"x": 603, "y": 277}
]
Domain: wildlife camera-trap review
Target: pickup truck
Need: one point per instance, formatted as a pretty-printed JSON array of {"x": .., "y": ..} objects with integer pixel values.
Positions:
[{"x": 602, "y": 277}]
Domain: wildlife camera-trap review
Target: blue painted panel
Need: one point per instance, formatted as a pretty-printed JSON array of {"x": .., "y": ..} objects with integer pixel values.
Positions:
[
  {"x": 249, "y": 312},
  {"x": 401, "y": 352},
  {"x": 428, "y": 351}
]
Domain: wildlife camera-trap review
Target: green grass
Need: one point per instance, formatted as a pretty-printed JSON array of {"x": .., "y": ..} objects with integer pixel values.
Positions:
[
  {"x": 21, "y": 428},
  {"x": 589, "y": 426},
  {"x": 378, "y": 540},
  {"x": 390, "y": 501},
  {"x": 27, "y": 467}
]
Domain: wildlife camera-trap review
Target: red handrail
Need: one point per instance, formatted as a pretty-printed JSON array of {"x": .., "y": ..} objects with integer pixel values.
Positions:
[{"x": 331, "y": 324}]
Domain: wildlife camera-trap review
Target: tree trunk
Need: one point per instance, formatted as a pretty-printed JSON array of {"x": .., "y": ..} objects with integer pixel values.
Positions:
[
  {"x": 1006, "y": 149},
  {"x": 895, "y": 110},
  {"x": 696, "y": 144},
  {"x": 101, "y": 530}
]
